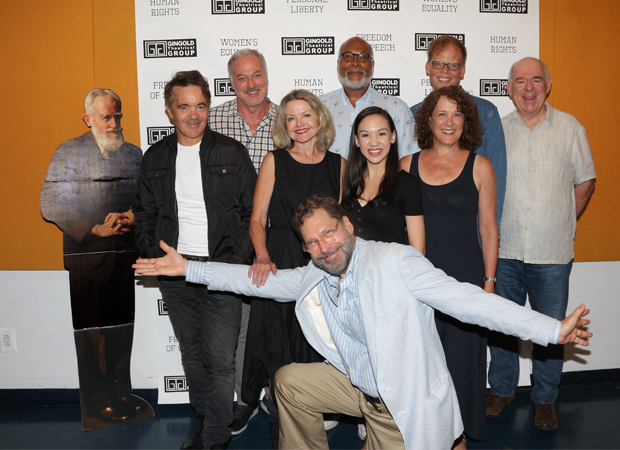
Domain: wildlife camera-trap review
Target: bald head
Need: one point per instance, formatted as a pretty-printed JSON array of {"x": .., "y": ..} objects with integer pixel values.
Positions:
[
  {"x": 528, "y": 60},
  {"x": 356, "y": 73},
  {"x": 356, "y": 42}
]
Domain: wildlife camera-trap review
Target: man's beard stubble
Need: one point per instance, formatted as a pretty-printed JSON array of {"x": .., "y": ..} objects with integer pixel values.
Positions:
[
  {"x": 251, "y": 91},
  {"x": 337, "y": 268}
]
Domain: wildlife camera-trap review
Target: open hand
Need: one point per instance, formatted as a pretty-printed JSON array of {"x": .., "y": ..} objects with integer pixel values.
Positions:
[
  {"x": 173, "y": 264},
  {"x": 570, "y": 329}
]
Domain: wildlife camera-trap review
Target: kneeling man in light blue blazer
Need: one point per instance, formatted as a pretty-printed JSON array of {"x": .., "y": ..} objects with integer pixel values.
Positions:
[{"x": 368, "y": 308}]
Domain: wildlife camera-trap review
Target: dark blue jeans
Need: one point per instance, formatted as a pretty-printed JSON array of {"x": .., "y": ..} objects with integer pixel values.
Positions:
[
  {"x": 546, "y": 285},
  {"x": 207, "y": 326}
]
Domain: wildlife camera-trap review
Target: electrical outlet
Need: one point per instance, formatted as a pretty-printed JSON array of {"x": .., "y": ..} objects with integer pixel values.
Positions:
[{"x": 7, "y": 340}]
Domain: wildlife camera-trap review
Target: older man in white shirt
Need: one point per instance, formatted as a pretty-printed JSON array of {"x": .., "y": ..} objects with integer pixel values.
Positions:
[{"x": 549, "y": 182}]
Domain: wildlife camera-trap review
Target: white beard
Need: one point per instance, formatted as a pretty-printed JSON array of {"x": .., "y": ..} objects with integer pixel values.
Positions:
[
  {"x": 355, "y": 85},
  {"x": 110, "y": 141}
]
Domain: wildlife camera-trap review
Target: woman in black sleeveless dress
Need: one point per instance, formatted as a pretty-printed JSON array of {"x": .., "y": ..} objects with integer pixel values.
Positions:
[
  {"x": 459, "y": 196},
  {"x": 303, "y": 131}
]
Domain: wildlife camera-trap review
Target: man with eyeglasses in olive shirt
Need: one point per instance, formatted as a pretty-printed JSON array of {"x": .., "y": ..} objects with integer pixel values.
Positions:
[{"x": 355, "y": 69}]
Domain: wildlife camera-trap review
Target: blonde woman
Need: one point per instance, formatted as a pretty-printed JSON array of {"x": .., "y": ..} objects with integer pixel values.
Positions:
[{"x": 301, "y": 166}]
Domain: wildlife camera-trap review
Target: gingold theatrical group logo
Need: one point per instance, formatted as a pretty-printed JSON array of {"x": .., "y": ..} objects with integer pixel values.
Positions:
[
  {"x": 237, "y": 6},
  {"x": 170, "y": 48},
  {"x": 156, "y": 134},
  {"x": 423, "y": 40},
  {"x": 504, "y": 6},
  {"x": 223, "y": 87},
  {"x": 493, "y": 88},
  {"x": 176, "y": 384},
  {"x": 373, "y": 5},
  {"x": 317, "y": 45},
  {"x": 387, "y": 86}
]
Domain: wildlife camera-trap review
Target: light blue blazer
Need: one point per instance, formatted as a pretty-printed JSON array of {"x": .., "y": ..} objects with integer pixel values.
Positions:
[{"x": 399, "y": 290}]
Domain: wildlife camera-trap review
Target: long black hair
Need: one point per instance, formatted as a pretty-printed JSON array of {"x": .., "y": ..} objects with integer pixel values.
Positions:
[{"x": 357, "y": 164}]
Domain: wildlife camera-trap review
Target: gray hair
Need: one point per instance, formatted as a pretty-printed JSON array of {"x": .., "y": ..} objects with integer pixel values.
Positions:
[
  {"x": 98, "y": 92},
  {"x": 246, "y": 52},
  {"x": 541, "y": 62}
]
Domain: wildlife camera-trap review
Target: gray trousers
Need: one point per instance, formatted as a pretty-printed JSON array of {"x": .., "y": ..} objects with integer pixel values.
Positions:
[{"x": 240, "y": 353}]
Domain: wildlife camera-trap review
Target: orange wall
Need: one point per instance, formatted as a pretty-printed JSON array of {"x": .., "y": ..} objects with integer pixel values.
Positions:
[
  {"x": 54, "y": 52},
  {"x": 578, "y": 42}
]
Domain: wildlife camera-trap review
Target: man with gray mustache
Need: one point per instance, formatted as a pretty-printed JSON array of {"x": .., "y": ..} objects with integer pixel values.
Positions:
[
  {"x": 247, "y": 119},
  {"x": 249, "y": 116},
  {"x": 356, "y": 66}
]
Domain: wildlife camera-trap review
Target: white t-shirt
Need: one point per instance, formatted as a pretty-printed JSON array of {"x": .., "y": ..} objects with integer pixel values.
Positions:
[{"x": 193, "y": 225}]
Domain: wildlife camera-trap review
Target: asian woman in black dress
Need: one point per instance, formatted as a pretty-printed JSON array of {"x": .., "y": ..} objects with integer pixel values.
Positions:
[{"x": 382, "y": 203}]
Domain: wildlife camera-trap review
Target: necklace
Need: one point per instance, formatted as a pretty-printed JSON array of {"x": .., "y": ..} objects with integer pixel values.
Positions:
[{"x": 443, "y": 161}]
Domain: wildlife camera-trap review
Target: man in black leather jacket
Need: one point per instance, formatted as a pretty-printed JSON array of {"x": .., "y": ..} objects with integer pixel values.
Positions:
[{"x": 195, "y": 192}]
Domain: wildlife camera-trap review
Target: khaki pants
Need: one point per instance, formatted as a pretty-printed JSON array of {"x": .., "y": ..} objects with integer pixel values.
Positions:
[{"x": 305, "y": 391}]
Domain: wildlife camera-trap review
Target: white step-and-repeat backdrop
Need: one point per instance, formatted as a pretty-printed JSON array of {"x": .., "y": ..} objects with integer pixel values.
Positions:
[{"x": 300, "y": 40}]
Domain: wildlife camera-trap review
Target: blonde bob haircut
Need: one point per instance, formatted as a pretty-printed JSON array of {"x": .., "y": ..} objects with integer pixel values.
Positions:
[{"x": 326, "y": 133}]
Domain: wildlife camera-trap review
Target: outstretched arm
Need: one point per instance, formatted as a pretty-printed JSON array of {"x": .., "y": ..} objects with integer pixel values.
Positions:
[
  {"x": 282, "y": 287},
  {"x": 173, "y": 264},
  {"x": 570, "y": 328},
  {"x": 470, "y": 304}
]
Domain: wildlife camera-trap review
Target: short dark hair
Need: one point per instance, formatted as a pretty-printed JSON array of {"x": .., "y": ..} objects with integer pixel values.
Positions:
[
  {"x": 470, "y": 139},
  {"x": 311, "y": 204},
  {"x": 354, "y": 183},
  {"x": 442, "y": 42},
  {"x": 185, "y": 79}
]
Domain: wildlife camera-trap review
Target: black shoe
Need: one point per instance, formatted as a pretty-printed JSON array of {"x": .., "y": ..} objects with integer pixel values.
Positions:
[
  {"x": 195, "y": 440},
  {"x": 241, "y": 417}
]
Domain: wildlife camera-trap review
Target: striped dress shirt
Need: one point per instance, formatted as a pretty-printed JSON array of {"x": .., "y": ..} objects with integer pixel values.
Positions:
[{"x": 340, "y": 302}]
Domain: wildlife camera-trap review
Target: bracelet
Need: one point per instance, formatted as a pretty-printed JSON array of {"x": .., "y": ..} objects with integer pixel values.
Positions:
[{"x": 491, "y": 279}]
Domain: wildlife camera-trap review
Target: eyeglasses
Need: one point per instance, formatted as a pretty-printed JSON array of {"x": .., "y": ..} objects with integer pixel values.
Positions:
[
  {"x": 328, "y": 236},
  {"x": 361, "y": 57},
  {"x": 438, "y": 65}
]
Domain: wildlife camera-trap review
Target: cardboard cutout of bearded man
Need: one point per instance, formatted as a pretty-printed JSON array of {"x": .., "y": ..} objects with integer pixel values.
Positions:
[{"x": 88, "y": 192}]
